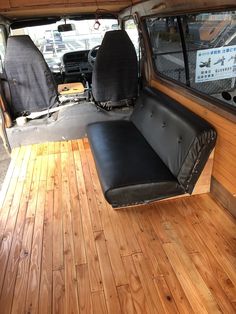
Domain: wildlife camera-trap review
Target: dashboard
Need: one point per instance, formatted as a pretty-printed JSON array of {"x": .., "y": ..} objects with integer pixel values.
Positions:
[{"x": 76, "y": 63}]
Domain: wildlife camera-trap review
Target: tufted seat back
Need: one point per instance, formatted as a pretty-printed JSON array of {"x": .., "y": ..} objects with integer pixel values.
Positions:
[{"x": 181, "y": 139}]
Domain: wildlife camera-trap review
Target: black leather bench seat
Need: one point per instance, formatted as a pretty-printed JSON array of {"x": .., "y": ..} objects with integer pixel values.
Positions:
[
  {"x": 128, "y": 168},
  {"x": 160, "y": 152}
]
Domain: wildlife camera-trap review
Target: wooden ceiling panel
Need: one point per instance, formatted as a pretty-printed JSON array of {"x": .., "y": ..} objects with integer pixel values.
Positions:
[
  {"x": 31, "y": 3},
  {"x": 92, "y": 2},
  {"x": 45, "y": 11},
  {"x": 18, "y": 9},
  {"x": 4, "y": 4},
  {"x": 35, "y": 8}
]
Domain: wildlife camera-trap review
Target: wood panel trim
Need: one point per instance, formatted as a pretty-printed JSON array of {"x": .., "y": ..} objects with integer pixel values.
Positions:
[
  {"x": 203, "y": 184},
  {"x": 223, "y": 196},
  {"x": 179, "y": 7},
  {"x": 182, "y": 91}
]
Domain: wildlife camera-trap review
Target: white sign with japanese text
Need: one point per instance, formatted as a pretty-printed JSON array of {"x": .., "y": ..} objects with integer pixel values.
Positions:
[{"x": 215, "y": 64}]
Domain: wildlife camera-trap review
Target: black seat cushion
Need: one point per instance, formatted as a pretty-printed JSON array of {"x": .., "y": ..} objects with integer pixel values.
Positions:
[{"x": 130, "y": 171}]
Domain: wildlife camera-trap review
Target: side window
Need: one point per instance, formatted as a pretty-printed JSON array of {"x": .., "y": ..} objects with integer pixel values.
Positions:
[
  {"x": 132, "y": 31},
  {"x": 2, "y": 48},
  {"x": 167, "y": 47},
  {"x": 208, "y": 43},
  {"x": 211, "y": 49}
]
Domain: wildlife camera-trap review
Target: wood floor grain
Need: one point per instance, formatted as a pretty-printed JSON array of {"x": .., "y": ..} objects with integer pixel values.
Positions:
[{"x": 63, "y": 249}]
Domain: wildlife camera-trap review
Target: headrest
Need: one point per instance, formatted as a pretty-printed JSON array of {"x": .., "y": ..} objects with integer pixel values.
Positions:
[
  {"x": 115, "y": 41},
  {"x": 115, "y": 74},
  {"x": 21, "y": 47}
]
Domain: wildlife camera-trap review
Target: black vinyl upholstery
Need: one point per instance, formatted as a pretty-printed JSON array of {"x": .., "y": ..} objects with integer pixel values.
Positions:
[
  {"x": 115, "y": 73},
  {"x": 30, "y": 80},
  {"x": 159, "y": 153},
  {"x": 129, "y": 169},
  {"x": 181, "y": 139}
]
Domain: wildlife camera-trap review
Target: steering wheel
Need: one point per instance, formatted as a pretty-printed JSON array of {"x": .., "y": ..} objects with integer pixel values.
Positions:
[{"x": 92, "y": 55}]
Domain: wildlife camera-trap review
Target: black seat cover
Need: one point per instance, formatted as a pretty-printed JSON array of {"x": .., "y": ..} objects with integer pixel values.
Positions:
[
  {"x": 129, "y": 169},
  {"x": 115, "y": 73},
  {"x": 30, "y": 80}
]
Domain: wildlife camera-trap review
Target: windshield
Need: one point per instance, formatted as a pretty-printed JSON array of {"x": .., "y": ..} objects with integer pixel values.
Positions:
[{"x": 54, "y": 45}]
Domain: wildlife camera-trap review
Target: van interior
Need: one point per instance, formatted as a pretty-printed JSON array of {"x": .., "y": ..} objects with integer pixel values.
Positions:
[{"x": 119, "y": 119}]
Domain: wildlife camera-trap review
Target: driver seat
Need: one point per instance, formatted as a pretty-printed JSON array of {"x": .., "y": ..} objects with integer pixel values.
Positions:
[
  {"x": 115, "y": 73},
  {"x": 30, "y": 80}
]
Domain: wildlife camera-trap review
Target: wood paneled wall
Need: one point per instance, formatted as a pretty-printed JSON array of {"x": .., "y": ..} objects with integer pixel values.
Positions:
[{"x": 224, "y": 168}]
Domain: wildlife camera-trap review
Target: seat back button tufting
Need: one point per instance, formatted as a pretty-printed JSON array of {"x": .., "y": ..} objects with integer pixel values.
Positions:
[{"x": 180, "y": 139}]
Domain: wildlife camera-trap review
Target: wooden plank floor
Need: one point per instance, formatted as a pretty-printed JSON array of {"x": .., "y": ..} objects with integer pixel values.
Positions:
[{"x": 63, "y": 249}]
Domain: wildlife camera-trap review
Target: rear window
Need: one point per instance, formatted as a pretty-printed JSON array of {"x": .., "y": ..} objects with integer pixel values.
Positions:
[{"x": 209, "y": 44}]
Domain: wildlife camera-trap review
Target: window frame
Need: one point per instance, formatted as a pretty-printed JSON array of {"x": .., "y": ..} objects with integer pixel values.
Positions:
[
  {"x": 128, "y": 18},
  {"x": 136, "y": 20},
  {"x": 157, "y": 75}
]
